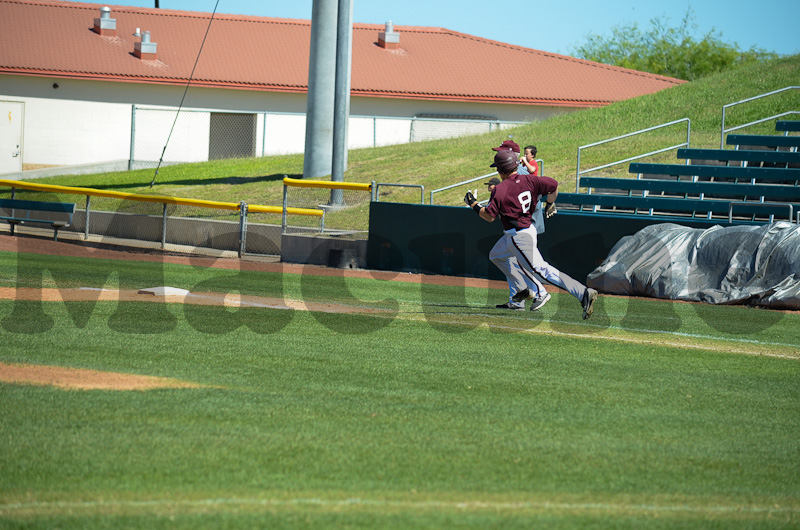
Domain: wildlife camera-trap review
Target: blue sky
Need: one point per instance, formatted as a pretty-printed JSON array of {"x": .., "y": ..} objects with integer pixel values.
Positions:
[{"x": 557, "y": 27}]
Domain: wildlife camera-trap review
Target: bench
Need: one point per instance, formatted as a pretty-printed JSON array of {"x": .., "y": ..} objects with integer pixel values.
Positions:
[
  {"x": 789, "y": 176},
  {"x": 788, "y": 126},
  {"x": 740, "y": 155},
  {"x": 703, "y": 189},
  {"x": 674, "y": 209},
  {"x": 19, "y": 212},
  {"x": 766, "y": 141}
]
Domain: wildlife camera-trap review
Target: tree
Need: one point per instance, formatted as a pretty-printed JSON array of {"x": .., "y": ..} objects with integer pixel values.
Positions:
[{"x": 668, "y": 51}]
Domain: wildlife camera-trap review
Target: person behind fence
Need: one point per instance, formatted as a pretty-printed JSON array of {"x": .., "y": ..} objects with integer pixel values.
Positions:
[
  {"x": 509, "y": 145},
  {"x": 513, "y": 201},
  {"x": 490, "y": 184},
  {"x": 528, "y": 160}
]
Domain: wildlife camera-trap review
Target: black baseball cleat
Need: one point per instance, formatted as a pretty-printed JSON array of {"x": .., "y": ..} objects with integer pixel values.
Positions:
[
  {"x": 524, "y": 294},
  {"x": 510, "y": 306},
  {"x": 589, "y": 298},
  {"x": 539, "y": 302}
]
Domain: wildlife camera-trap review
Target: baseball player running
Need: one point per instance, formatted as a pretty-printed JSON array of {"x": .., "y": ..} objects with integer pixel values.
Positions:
[
  {"x": 518, "y": 280},
  {"x": 514, "y": 201}
]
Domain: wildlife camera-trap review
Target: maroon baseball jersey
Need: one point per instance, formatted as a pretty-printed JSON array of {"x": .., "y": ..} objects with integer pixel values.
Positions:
[{"x": 514, "y": 199}]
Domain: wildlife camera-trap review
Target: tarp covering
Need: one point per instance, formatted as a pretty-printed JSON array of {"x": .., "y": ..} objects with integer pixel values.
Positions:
[{"x": 753, "y": 265}]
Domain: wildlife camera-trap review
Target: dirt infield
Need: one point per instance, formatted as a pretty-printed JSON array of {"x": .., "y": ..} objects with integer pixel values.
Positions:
[{"x": 80, "y": 379}]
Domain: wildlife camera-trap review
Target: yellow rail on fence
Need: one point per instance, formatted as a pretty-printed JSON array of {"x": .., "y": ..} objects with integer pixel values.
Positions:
[
  {"x": 299, "y": 183},
  {"x": 162, "y": 199}
]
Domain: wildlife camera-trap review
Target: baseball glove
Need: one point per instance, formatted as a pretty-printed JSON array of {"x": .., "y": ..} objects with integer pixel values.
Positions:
[
  {"x": 470, "y": 199},
  {"x": 550, "y": 210}
]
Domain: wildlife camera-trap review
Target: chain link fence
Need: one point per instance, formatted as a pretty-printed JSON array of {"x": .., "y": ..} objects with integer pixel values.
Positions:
[
  {"x": 345, "y": 207},
  {"x": 425, "y": 128},
  {"x": 193, "y": 136},
  {"x": 199, "y": 135},
  {"x": 158, "y": 221}
]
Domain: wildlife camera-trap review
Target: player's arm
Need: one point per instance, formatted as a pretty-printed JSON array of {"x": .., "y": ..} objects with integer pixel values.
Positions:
[
  {"x": 469, "y": 198},
  {"x": 550, "y": 194}
]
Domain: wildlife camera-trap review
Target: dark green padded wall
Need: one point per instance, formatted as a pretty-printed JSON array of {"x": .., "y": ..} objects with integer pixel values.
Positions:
[{"x": 454, "y": 241}]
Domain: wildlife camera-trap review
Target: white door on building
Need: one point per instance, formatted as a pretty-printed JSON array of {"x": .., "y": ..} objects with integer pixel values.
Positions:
[{"x": 11, "y": 118}]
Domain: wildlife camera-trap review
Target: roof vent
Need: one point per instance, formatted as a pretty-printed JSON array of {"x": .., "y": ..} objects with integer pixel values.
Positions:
[
  {"x": 389, "y": 39},
  {"x": 145, "y": 50},
  {"x": 105, "y": 25}
]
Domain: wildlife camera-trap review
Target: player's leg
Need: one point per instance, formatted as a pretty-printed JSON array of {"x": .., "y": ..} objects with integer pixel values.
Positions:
[
  {"x": 536, "y": 289},
  {"x": 529, "y": 257},
  {"x": 503, "y": 258}
]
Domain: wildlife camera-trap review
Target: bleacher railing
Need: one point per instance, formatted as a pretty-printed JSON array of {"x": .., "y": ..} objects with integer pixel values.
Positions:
[
  {"x": 580, "y": 172},
  {"x": 539, "y": 161},
  {"x": 724, "y": 130}
]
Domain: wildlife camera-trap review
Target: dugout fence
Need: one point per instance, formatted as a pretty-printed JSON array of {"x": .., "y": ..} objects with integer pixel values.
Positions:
[
  {"x": 171, "y": 221},
  {"x": 310, "y": 207},
  {"x": 345, "y": 207}
]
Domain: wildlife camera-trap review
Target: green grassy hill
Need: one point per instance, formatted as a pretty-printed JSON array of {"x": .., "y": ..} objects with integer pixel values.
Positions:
[{"x": 439, "y": 163}]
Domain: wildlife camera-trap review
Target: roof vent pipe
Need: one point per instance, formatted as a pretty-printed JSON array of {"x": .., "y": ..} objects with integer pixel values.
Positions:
[
  {"x": 389, "y": 38},
  {"x": 105, "y": 25},
  {"x": 145, "y": 50}
]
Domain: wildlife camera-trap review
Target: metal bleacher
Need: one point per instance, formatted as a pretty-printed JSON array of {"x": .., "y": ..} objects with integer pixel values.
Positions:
[
  {"x": 788, "y": 126},
  {"x": 757, "y": 182},
  {"x": 746, "y": 157}
]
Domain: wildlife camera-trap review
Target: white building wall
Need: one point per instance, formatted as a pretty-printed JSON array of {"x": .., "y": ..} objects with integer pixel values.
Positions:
[
  {"x": 188, "y": 137},
  {"x": 69, "y": 122},
  {"x": 64, "y": 132},
  {"x": 285, "y": 134},
  {"x": 361, "y": 132}
]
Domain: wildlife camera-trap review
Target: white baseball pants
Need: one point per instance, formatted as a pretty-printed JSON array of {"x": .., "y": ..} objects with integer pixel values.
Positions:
[
  {"x": 521, "y": 245},
  {"x": 518, "y": 279}
]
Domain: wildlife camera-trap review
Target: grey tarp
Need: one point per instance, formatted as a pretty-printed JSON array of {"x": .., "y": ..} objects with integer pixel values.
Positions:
[{"x": 753, "y": 265}]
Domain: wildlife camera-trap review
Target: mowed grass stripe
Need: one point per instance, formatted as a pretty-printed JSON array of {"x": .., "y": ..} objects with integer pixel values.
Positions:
[
  {"x": 542, "y": 323},
  {"x": 363, "y": 503}
]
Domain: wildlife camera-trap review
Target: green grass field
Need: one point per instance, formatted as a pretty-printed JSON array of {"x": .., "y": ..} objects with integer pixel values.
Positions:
[
  {"x": 437, "y": 412},
  {"x": 422, "y": 407}
]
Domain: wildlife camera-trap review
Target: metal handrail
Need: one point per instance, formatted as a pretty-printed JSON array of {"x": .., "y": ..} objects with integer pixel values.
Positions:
[
  {"x": 420, "y": 186},
  {"x": 638, "y": 157},
  {"x": 242, "y": 207},
  {"x": 470, "y": 181},
  {"x": 739, "y": 203},
  {"x": 451, "y": 186},
  {"x": 723, "y": 130}
]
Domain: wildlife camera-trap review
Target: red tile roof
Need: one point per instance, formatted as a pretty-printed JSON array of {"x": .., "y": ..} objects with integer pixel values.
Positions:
[{"x": 56, "y": 39}]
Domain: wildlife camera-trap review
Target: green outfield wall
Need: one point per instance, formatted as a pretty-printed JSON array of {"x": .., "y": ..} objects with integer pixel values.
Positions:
[{"x": 454, "y": 241}]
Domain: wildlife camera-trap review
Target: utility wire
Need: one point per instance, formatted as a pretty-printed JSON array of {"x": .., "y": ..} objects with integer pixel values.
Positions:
[{"x": 191, "y": 76}]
